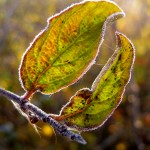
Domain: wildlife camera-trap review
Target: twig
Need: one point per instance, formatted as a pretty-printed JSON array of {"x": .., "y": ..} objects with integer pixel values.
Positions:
[{"x": 28, "y": 107}]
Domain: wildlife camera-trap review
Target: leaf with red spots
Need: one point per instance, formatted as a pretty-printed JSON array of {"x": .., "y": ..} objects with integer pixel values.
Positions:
[
  {"x": 67, "y": 47},
  {"x": 89, "y": 109}
]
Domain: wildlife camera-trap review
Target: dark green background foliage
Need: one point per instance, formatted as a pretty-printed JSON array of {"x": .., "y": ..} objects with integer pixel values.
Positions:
[{"x": 128, "y": 127}]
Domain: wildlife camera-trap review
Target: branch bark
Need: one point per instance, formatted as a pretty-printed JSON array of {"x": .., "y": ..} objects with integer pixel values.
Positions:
[{"x": 29, "y": 108}]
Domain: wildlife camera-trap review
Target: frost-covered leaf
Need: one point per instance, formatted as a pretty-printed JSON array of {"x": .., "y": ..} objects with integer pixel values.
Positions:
[
  {"x": 67, "y": 47},
  {"x": 88, "y": 109}
]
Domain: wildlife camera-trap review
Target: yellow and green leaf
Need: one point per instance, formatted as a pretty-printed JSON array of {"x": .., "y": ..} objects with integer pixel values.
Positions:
[
  {"x": 67, "y": 47},
  {"x": 89, "y": 109}
]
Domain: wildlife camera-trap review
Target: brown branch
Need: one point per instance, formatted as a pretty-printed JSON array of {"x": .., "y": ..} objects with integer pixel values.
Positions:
[{"x": 29, "y": 108}]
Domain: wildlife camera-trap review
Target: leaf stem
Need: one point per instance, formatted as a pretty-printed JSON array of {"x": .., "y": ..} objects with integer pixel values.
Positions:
[{"x": 28, "y": 94}]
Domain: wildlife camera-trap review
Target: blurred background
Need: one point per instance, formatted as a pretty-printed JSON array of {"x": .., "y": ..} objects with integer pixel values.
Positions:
[{"x": 129, "y": 126}]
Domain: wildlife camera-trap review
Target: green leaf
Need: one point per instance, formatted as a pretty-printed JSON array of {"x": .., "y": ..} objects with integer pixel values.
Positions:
[
  {"x": 88, "y": 109},
  {"x": 67, "y": 47}
]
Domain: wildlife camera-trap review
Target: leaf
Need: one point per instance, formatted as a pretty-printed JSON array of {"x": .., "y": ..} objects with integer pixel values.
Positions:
[
  {"x": 67, "y": 47},
  {"x": 89, "y": 109}
]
